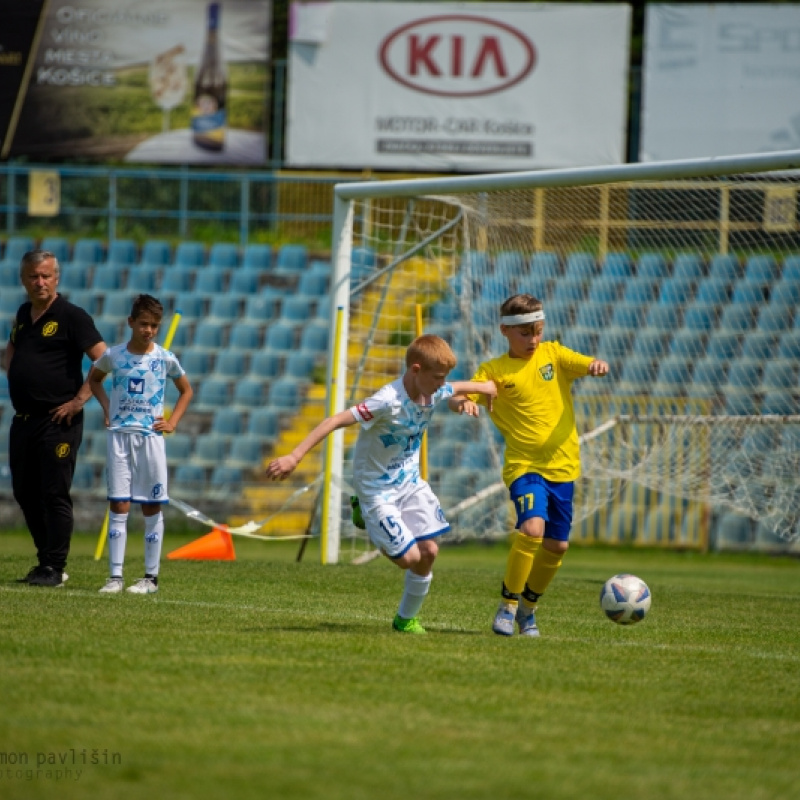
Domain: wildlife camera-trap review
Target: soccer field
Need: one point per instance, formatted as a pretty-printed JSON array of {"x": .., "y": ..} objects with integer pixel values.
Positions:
[{"x": 265, "y": 678}]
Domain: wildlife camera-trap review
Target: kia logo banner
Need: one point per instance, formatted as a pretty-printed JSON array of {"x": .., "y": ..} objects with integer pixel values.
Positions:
[{"x": 426, "y": 86}]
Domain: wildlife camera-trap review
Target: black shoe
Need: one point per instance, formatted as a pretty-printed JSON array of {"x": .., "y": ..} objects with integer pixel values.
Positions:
[
  {"x": 50, "y": 577},
  {"x": 32, "y": 573}
]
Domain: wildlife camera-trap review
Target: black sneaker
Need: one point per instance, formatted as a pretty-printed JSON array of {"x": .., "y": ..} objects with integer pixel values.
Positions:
[
  {"x": 48, "y": 576},
  {"x": 32, "y": 572}
]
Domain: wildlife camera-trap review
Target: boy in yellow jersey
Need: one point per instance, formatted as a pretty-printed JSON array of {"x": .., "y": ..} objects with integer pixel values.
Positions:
[{"x": 534, "y": 413}]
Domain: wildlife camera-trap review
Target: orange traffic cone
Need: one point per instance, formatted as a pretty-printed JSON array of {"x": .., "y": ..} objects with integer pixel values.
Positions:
[{"x": 214, "y": 546}]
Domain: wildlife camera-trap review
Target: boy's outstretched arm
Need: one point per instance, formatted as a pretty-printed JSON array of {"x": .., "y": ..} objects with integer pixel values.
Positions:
[
  {"x": 282, "y": 467},
  {"x": 487, "y": 388}
]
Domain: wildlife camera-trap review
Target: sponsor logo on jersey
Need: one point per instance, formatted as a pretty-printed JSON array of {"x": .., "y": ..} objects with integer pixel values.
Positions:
[
  {"x": 49, "y": 329},
  {"x": 364, "y": 412},
  {"x": 547, "y": 372},
  {"x": 62, "y": 450},
  {"x": 135, "y": 385}
]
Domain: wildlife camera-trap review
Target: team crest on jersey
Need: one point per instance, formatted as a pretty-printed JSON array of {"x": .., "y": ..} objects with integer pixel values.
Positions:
[
  {"x": 50, "y": 329},
  {"x": 155, "y": 365},
  {"x": 62, "y": 450},
  {"x": 547, "y": 372},
  {"x": 157, "y": 491}
]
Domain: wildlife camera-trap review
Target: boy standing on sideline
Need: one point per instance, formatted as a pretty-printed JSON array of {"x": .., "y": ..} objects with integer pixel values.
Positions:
[
  {"x": 402, "y": 514},
  {"x": 137, "y": 461},
  {"x": 534, "y": 413}
]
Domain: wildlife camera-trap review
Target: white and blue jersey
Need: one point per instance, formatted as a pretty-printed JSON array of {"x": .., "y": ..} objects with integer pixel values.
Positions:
[
  {"x": 387, "y": 450},
  {"x": 138, "y": 386}
]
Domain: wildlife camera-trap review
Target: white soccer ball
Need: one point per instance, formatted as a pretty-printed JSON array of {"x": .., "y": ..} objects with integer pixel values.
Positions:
[{"x": 625, "y": 599}]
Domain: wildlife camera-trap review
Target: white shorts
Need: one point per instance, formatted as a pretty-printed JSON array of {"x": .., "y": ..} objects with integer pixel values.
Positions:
[
  {"x": 414, "y": 516},
  {"x": 137, "y": 468}
]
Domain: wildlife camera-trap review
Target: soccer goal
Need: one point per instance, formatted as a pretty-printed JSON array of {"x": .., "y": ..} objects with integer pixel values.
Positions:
[{"x": 683, "y": 275}]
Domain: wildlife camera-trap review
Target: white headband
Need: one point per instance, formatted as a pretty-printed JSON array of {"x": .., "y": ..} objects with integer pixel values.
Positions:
[{"x": 523, "y": 319}]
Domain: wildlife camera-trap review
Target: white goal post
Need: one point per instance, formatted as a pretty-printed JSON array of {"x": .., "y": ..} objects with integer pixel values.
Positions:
[{"x": 626, "y": 259}]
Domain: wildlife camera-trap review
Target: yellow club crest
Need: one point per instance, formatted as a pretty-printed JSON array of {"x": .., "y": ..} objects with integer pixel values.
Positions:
[
  {"x": 50, "y": 329},
  {"x": 62, "y": 450}
]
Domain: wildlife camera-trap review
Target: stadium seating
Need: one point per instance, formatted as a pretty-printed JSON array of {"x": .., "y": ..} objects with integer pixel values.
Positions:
[
  {"x": 725, "y": 266},
  {"x": 223, "y": 256},
  {"x": 88, "y": 252},
  {"x": 581, "y": 266},
  {"x": 689, "y": 266},
  {"x": 652, "y": 265},
  {"x": 58, "y": 246},
  {"x": 16, "y": 247},
  {"x": 190, "y": 254},
  {"x": 546, "y": 265},
  {"x": 72, "y": 276},
  {"x": 154, "y": 252},
  {"x": 257, "y": 257}
]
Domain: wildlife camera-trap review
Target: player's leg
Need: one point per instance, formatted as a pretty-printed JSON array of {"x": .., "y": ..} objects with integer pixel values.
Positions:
[
  {"x": 530, "y": 501},
  {"x": 550, "y": 555},
  {"x": 118, "y": 478},
  {"x": 149, "y": 488}
]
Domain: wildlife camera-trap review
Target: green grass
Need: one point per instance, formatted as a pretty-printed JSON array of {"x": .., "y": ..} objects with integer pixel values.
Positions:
[{"x": 267, "y": 678}]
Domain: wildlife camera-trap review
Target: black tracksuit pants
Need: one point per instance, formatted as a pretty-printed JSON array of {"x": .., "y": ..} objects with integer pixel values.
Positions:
[{"x": 42, "y": 457}]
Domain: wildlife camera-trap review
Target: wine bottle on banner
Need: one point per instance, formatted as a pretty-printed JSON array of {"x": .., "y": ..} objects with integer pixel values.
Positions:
[{"x": 209, "y": 114}]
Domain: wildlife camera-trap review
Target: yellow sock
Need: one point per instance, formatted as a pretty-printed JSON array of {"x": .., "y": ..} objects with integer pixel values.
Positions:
[
  {"x": 519, "y": 562},
  {"x": 544, "y": 569}
]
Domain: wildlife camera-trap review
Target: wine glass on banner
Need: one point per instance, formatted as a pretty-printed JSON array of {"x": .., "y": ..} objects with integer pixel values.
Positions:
[{"x": 168, "y": 81}]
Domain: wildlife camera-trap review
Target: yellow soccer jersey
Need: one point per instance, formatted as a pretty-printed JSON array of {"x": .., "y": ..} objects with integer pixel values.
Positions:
[{"x": 534, "y": 412}]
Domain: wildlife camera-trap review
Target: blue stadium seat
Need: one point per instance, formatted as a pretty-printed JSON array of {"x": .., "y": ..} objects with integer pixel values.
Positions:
[
  {"x": 651, "y": 344},
  {"x": 198, "y": 363},
  {"x": 280, "y": 337},
  {"x": 154, "y": 251},
  {"x": 780, "y": 402},
  {"x": 637, "y": 376},
  {"x": 725, "y": 266},
  {"x": 759, "y": 344},
  {"x": 546, "y": 265},
  {"x": 190, "y": 254},
  {"x": 689, "y": 344},
  {"x": 618, "y": 264},
  {"x": 9, "y": 276},
  {"x": 688, "y": 266},
  {"x": 538, "y": 286},
  {"x": 16, "y": 247},
  {"x": 478, "y": 455},
  {"x": 776, "y": 318},
  {"x": 594, "y": 315},
  {"x": 744, "y": 375},
  {"x": 363, "y": 262},
  {"x": 224, "y": 256},
  {"x": 496, "y": 288},
  {"x": 314, "y": 337},
  {"x": 261, "y": 308},
  {"x": 791, "y": 268},
  {"x": 58, "y": 246},
  {"x": 191, "y": 306},
  {"x": 700, "y": 317},
  {"x": 714, "y": 291},
  {"x": 724, "y": 345},
  {"x": 189, "y": 476},
  {"x": 739, "y": 317},
  {"x": 210, "y": 334},
  {"x": 143, "y": 280},
  {"x": 226, "y": 478},
  {"x": 320, "y": 267},
  {"x": 72, "y": 276},
  {"x": 284, "y": 393},
  {"x": 444, "y": 454},
  {"x": 313, "y": 284},
  {"x": 560, "y": 315},
  {"x": 581, "y": 340},
  {"x": 89, "y": 252},
  {"x": 257, "y": 257},
  {"x": 179, "y": 447},
  {"x": 629, "y": 315},
  {"x": 664, "y": 318},
  {"x": 733, "y": 530},
  {"x": 210, "y": 449},
  {"x": 608, "y": 290},
  {"x": 246, "y": 336},
  {"x": 652, "y": 265},
  {"x": 210, "y": 280},
  {"x": 87, "y": 299},
  {"x": 568, "y": 290},
  {"x": 108, "y": 279},
  {"x": 226, "y": 307},
  {"x": 212, "y": 393},
  {"x": 228, "y": 422},
  {"x": 84, "y": 476},
  {"x": 300, "y": 365},
  {"x": 443, "y": 313},
  {"x": 93, "y": 417},
  {"x": 676, "y": 291},
  {"x": 117, "y": 305},
  {"x": 789, "y": 346},
  {"x": 246, "y": 452},
  {"x": 761, "y": 269},
  {"x": 741, "y": 403},
  {"x": 614, "y": 343},
  {"x": 232, "y": 362},
  {"x": 292, "y": 258},
  {"x": 177, "y": 279},
  {"x": 785, "y": 292},
  {"x": 264, "y": 423},
  {"x": 640, "y": 290},
  {"x": 112, "y": 330},
  {"x": 750, "y": 293},
  {"x": 780, "y": 375},
  {"x": 296, "y": 309},
  {"x": 673, "y": 377},
  {"x": 11, "y": 300},
  {"x": 122, "y": 253},
  {"x": 581, "y": 265},
  {"x": 266, "y": 364},
  {"x": 250, "y": 392},
  {"x": 244, "y": 281},
  {"x": 707, "y": 378},
  {"x": 509, "y": 263}
]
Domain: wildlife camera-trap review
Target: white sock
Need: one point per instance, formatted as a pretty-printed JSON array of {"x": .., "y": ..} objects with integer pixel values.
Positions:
[
  {"x": 153, "y": 536},
  {"x": 117, "y": 539},
  {"x": 415, "y": 591}
]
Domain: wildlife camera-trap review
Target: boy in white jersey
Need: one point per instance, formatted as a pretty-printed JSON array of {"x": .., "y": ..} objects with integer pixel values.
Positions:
[
  {"x": 534, "y": 413},
  {"x": 402, "y": 514},
  {"x": 137, "y": 461}
]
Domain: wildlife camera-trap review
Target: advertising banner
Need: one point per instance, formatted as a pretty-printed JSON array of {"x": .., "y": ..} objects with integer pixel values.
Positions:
[
  {"x": 156, "y": 81},
  {"x": 449, "y": 87},
  {"x": 720, "y": 80}
]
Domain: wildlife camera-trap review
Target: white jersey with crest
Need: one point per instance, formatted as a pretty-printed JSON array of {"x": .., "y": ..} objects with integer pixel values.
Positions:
[
  {"x": 387, "y": 451},
  {"x": 138, "y": 386}
]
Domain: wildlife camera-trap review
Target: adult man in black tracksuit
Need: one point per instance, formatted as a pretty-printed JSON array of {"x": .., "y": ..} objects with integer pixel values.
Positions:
[{"x": 45, "y": 380}]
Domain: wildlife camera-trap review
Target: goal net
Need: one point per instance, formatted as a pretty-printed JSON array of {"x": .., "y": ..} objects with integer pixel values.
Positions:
[{"x": 684, "y": 276}]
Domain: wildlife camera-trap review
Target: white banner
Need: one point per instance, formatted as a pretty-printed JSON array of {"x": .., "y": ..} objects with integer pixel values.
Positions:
[
  {"x": 720, "y": 80},
  {"x": 472, "y": 87}
]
